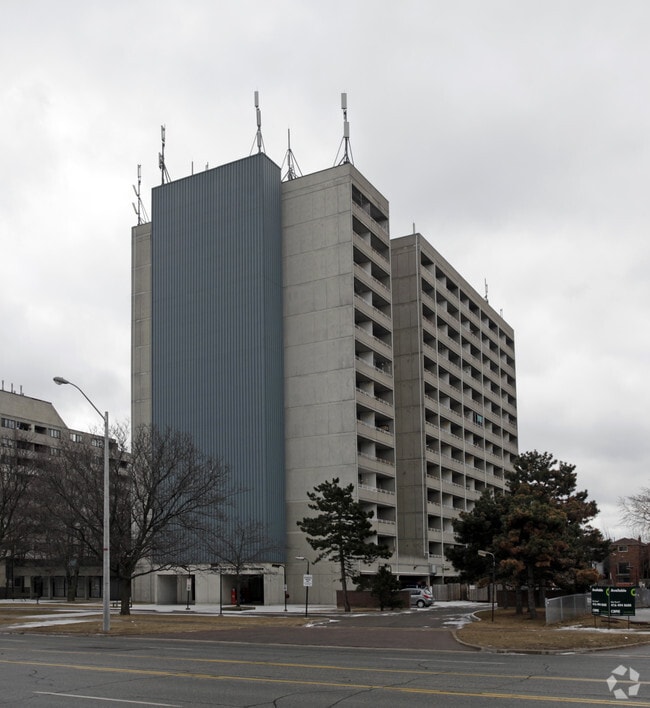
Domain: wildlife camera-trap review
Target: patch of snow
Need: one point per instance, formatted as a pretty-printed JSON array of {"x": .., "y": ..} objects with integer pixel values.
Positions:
[{"x": 49, "y": 623}]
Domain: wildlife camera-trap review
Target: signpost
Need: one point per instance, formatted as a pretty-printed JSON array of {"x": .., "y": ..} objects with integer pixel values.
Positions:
[{"x": 613, "y": 602}]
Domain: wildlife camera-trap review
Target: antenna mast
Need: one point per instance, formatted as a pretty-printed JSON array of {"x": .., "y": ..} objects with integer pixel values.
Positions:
[
  {"x": 258, "y": 135},
  {"x": 164, "y": 175},
  {"x": 347, "y": 149},
  {"x": 486, "y": 290},
  {"x": 293, "y": 169},
  {"x": 139, "y": 210}
]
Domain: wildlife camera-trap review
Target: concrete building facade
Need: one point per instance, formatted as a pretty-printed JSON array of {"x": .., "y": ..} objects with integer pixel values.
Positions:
[
  {"x": 280, "y": 325},
  {"x": 339, "y": 391},
  {"x": 455, "y": 398}
]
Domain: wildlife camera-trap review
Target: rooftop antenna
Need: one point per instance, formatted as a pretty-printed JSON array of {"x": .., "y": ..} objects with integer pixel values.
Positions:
[
  {"x": 486, "y": 291},
  {"x": 293, "y": 169},
  {"x": 164, "y": 175},
  {"x": 347, "y": 150},
  {"x": 139, "y": 209},
  {"x": 258, "y": 135}
]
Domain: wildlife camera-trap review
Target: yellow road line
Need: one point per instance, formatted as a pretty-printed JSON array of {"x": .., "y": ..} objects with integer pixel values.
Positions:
[
  {"x": 334, "y": 667},
  {"x": 329, "y": 684}
]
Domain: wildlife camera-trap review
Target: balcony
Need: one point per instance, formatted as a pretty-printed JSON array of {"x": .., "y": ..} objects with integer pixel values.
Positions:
[
  {"x": 376, "y": 495},
  {"x": 382, "y": 374},
  {"x": 370, "y": 281},
  {"x": 379, "y": 434},
  {"x": 374, "y": 343},
  {"x": 375, "y": 464},
  {"x": 441, "y": 536},
  {"x": 372, "y": 312}
]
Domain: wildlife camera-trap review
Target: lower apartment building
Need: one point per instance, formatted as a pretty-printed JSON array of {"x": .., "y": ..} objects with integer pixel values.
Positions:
[
  {"x": 31, "y": 430},
  {"x": 455, "y": 399},
  {"x": 278, "y": 323}
]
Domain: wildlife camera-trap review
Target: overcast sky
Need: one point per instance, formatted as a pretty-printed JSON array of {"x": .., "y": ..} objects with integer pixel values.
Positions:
[{"x": 512, "y": 133}]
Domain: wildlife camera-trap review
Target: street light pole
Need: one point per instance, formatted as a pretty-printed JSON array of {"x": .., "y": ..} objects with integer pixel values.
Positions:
[
  {"x": 302, "y": 558},
  {"x": 484, "y": 554},
  {"x": 106, "y": 551}
]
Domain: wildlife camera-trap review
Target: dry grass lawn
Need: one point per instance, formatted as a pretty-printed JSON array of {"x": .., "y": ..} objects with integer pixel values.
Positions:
[
  {"x": 517, "y": 632},
  {"x": 154, "y": 623},
  {"x": 509, "y": 630}
]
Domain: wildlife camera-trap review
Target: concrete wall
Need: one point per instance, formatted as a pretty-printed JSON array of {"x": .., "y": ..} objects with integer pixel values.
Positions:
[{"x": 320, "y": 412}]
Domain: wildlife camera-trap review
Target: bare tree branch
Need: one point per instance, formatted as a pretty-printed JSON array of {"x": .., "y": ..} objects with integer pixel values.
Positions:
[{"x": 635, "y": 512}]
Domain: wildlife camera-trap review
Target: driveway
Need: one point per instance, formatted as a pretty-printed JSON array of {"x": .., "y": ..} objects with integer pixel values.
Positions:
[{"x": 430, "y": 629}]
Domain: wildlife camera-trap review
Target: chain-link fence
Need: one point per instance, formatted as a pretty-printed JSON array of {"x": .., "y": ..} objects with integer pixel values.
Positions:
[{"x": 567, "y": 607}]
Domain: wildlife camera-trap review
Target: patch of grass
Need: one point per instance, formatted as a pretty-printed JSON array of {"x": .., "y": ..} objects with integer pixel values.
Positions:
[
  {"x": 519, "y": 633},
  {"x": 135, "y": 624}
]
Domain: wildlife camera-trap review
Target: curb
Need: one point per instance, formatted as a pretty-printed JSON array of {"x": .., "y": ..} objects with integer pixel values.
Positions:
[{"x": 541, "y": 652}]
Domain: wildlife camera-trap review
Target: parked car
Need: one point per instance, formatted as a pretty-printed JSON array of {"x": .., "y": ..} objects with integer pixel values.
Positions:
[{"x": 421, "y": 597}]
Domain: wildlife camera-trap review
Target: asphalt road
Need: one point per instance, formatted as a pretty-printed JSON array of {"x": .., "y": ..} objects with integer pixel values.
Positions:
[
  {"x": 53, "y": 671},
  {"x": 429, "y": 628}
]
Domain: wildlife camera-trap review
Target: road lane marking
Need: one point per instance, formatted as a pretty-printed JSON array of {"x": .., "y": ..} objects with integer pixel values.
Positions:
[
  {"x": 112, "y": 700},
  {"x": 330, "y": 684},
  {"x": 337, "y": 667}
]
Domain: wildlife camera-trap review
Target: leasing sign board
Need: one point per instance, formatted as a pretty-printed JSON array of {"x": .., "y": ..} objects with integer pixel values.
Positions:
[{"x": 613, "y": 601}]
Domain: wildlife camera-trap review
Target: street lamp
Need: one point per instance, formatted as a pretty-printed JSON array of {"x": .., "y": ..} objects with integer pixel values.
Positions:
[
  {"x": 106, "y": 580},
  {"x": 306, "y": 581},
  {"x": 485, "y": 554}
]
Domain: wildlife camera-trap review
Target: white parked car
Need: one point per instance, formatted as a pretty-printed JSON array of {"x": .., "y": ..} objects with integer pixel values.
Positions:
[{"x": 421, "y": 597}]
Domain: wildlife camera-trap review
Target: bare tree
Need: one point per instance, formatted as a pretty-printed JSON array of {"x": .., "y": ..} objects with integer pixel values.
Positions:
[
  {"x": 58, "y": 541},
  {"x": 19, "y": 464},
  {"x": 161, "y": 494},
  {"x": 239, "y": 545},
  {"x": 635, "y": 512},
  {"x": 69, "y": 504}
]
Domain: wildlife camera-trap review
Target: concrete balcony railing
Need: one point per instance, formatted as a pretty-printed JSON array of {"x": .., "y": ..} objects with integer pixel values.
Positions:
[{"x": 376, "y": 434}]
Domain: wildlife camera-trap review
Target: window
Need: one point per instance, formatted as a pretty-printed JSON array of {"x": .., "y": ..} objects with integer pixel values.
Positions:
[
  {"x": 97, "y": 442},
  {"x": 54, "y": 433},
  {"x": 478, "y": 419},
  {"x": 23, "y": 426},
  {"x": 623, "y": 569},
  {"x": 76, "y": 437},
  {"x": 8, "y": 423}
]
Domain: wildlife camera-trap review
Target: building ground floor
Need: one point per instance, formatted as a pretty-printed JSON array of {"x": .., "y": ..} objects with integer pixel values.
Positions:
[
  {"x": 262, "y": 584},
  {"x": 34, "y": 579},
  {"x": 265, "y": 583}
]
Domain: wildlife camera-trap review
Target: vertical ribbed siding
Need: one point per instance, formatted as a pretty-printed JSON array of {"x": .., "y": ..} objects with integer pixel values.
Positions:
[{"x": 217, "y": 325}]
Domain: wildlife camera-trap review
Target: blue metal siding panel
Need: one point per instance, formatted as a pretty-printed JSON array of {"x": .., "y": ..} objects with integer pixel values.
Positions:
[{"x": 217, "y": 325}]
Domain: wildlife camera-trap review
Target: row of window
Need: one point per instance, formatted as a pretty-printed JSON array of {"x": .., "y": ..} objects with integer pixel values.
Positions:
[
  {"x": 20, "y": 425},
  {"x": 12, "y": 424}
]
